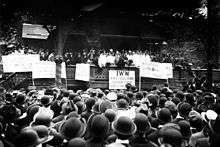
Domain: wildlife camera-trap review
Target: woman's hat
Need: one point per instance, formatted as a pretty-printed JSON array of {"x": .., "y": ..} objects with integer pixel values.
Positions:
[
  {"x": 112, "y": 96},
  {"x": 209, "y": 115},
  {"x": 124, "y": 126}
]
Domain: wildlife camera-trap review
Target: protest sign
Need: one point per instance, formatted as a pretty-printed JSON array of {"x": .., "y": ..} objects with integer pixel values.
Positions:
[
  {"x": 82, "y": 72},
  {"x": 47, "y": 69},
  {"x": 19, "y": 63},
  {"x": 156, "y": 70},
  {"x": 119, "y": 78}
]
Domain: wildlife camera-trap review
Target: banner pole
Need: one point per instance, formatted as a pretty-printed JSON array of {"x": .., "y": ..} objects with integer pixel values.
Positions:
[
  {"x": 168, "y": 81},
  {"x": 139, "y": 79},
  {"x": 66, "y": 82},
  {"x": 33, "y": 82}
]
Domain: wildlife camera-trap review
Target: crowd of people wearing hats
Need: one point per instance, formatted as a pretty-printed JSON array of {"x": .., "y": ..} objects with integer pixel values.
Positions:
[{"x": 109, "y": 118}]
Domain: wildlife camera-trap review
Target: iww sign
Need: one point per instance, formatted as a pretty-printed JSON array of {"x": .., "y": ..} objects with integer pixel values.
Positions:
[{"x": 119, "y": 78}]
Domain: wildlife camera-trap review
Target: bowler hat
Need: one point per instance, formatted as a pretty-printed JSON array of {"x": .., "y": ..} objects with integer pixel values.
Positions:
[
  {"x": 43, "y": 117},
  {"x": 32, "y": 110},
  {"x": 41, "y": 120},
  {"x": 28, "y": 137},
  {"x": 124, "y": 126},
  {"x": 72, "y": 128},
  {"x": 43, "y": 133}
]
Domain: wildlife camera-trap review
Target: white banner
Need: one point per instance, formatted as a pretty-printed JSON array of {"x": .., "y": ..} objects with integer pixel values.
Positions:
[
  {"x": 157, "y": 70},
  {"x": 82, "y": 72},
  {"x": 47, "y": 69},
  {"x": 119, "y": 78},
  {"x": 19, "y": 63},
  {"x": 34, "y": 31}
]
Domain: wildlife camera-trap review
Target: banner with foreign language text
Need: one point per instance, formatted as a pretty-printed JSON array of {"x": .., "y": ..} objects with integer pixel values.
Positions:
[
  {"x": 119, "y": 78},
  {"x": 47, "y": 69},
  {"x": 19, "y": 63},
  {"x": 156, "y": 70}
]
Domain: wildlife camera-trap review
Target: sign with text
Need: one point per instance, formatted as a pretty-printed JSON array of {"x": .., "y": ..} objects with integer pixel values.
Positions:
[
  {"x": 82, "y": 72},
  {"x": 34, "y": 31},
  {"x": 119, "y": 78},
  {"x": 156, "y": 70},
  {"x": 19, "y": 63},
  {"x": 47, "y": 69}
]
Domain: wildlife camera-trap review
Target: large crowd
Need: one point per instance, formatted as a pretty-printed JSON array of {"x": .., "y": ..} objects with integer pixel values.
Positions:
[
  {"x": 106, "y": 57},
  {"x": 162, "y": 117}
]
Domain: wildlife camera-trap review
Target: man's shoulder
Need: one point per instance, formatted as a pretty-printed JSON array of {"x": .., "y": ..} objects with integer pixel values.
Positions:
[{"x": 117, "y": 145}]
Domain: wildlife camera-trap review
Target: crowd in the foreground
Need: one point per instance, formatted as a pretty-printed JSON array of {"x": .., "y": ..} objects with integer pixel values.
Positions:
[{"x": 109, "y": 118}]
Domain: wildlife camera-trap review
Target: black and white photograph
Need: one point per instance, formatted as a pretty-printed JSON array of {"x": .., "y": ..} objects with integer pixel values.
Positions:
[{"x": 109, "y": 73}]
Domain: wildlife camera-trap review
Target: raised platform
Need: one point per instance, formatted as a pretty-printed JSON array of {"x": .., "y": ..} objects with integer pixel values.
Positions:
[{"x": 99, "y": 78}]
